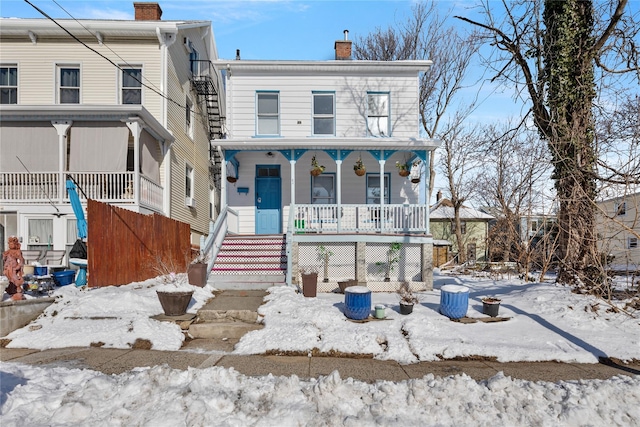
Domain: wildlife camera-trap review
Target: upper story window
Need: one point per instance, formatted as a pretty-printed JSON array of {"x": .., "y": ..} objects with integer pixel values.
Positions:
[
  {"x": 324, "y": 119},
  {"x": 188, "y": 183},
  {"x": 632, "y": 243},
  {"x": 188, "y": 117},
  {"x": 268, "y": 113},
  {"x": 378, "y": 114},
  {"x": 621, "y": 208},
  {"x": 8, "y": 84},
  {"x": 194, "y": 60},
  {"x": 463, "y": 227},
  {"x": 132, "y": 85},
  {"x": 68, "y": 85}
]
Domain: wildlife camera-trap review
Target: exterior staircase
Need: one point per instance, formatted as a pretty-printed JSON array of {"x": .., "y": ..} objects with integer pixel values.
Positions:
[{"x": 250, "y": 262}]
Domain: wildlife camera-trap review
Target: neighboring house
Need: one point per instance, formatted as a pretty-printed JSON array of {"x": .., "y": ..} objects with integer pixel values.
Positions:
[
  {"x": 618, "y": 228},
  {"x": 283, "y": 115},
  {"x": 125, "y": 108},
  {"x": 474, "y": 224}
]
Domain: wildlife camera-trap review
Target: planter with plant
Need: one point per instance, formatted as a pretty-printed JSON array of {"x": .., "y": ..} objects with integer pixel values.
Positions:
[
  {"x": 309, "y": 281},
  {"x": 404, "y": 169},
  {"x": 175, "y": 292},
  {"x": 197, "y": 270},
  {"x": 491, "y": 306},
  {"x": 316, "y": 169},
  {"x": 407, "y": 298},
  {"x": 393, "y": 258},
  {"x": 359, "y": 167},
  {"x": 324, "y": 253}
]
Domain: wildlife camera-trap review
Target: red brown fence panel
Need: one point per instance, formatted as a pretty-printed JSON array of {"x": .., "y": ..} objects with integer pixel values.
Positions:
[{"x": 125, "y": 246}]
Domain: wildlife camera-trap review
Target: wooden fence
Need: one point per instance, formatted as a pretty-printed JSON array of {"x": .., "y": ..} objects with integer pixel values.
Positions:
[{"x": 125, "y": 246}]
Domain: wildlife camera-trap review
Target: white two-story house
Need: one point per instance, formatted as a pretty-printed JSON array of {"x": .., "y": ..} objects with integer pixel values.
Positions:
[
  {"x": 127, "y": 108},
  {"x": 285, "y": 117}
]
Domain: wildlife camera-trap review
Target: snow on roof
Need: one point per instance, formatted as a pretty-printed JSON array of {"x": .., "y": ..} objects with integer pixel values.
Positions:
[{"x": 444, "y": 210}]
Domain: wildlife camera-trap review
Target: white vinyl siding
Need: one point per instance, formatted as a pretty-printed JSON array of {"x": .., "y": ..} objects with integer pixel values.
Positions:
[
  {"x": 100, "y": 81},
  {"x": 296, "y": 111}
]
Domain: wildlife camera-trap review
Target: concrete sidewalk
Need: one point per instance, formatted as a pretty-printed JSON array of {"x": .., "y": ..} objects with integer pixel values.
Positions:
[{"x": 115, "y": 361}]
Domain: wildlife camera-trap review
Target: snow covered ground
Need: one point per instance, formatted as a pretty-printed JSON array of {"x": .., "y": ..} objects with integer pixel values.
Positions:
[{"x": 547, "y": 322}]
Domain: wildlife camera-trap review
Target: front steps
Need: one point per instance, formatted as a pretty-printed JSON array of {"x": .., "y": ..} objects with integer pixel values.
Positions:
[
  {"x": 250, "y": 262},
  {"x": 226, "y": 318}
]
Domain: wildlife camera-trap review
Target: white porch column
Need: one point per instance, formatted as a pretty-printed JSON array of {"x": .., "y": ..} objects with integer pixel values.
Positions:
[
  {"x": 62, "y": 127},
  {"x": 223, "y": 183},
  {"x": 339, "y": 194},
  {"x": 292, "y": 204},
  {"x": 135, "y": 127},
  {"x": 425, "y": 179},
  {"x": 382, "y": 194}
]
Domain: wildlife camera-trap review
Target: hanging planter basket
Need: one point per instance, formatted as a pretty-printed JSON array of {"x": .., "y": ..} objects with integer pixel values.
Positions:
[
  {"x": 315, "y": 171},
  {"x": 415, "y": 180},
  {"x": 404, "y": 172},
  {"x": 360, "y": 172},
  {"x": 232, "y": 179}
]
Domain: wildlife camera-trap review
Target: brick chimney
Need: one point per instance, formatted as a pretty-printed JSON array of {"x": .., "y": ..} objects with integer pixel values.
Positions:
[
  {"x": 147, "y": 11},
  {"x": 343, "y": 47}
]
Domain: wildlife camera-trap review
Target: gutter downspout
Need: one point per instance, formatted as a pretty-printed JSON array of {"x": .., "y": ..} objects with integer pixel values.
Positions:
[{"x": 165, "y": 39}]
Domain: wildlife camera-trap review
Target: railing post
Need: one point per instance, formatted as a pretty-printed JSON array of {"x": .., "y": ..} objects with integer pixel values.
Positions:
[{"x": 62, "y": 127}]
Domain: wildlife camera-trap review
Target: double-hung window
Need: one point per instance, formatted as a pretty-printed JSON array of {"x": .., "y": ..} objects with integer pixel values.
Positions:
[
  {"x": 268, "y": 113},
  {"x": 132, "y": 85},
  {"x": 8, "y": 84},
  {"x": 194, "y": 61},
  {"x": 188, "y": 182},
  {"x": 68, "y": 85},
  {"x": 188, "y": 117},
  {"x": 323, "y": 189},
  {"x": 324, "y": 119},
  {"x": 632, "y": 243},
  {"x": 378, "y": 114},
  {"x": 621, "y": 209},
  {"x": 373, "y": 189}
]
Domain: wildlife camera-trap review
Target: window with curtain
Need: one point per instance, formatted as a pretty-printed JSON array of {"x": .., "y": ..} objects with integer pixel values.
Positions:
[
  {"x": 323, "y": 114},
  {"x": 188, "y": 117},
  {"x": 69, "y": 85},
  {"x": 8, "y": 84},
  {"x": 131, "y": 85},
  {"x": 323, "y": 189},
  {"x": 41, "y": 232},
  {"x": 268, "y": 114},
  {"x": 72, "y": 231},
  {"x": 373, "y": 189},
  {"x": 378, "y": 114}
]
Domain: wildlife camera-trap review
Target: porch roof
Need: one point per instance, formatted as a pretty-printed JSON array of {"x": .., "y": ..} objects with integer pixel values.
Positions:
[
  {"x": 80, "y": 112},
  {"x": 365, "y": 143}
]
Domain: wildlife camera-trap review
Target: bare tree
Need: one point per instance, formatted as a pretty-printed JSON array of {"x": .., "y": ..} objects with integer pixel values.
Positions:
[
  {"x": 549, "y": 50},
  {"x": 427, "y": 35}
]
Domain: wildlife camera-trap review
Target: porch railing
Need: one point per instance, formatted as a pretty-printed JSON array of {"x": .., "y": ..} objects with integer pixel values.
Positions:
[
  {"x": 318, "y": 218},
  {"x": 110, "y": 187}
]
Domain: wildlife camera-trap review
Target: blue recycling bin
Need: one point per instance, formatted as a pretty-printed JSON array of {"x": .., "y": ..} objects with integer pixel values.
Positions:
[
  {"x": 357, "y": 301},
  {"x": 454, "y": 301}
]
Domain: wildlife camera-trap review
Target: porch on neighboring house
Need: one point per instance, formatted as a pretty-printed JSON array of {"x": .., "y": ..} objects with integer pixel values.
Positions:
[{"x": 114, "y": 155}]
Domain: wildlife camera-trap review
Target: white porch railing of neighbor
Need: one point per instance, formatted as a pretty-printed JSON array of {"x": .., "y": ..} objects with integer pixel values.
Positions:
[
  {"x": 318, "y": 218},
  {"x": 29, "y": 187},
  {"x": 109, "y": 187}
]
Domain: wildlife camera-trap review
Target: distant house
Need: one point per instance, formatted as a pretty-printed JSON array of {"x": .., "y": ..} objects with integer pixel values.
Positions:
[
  {"x": 286, "y": 117},
  {"x": 618, "y": 231},
  {"x": 475, "y": 229},
  {"x": 125, "y": 108}
]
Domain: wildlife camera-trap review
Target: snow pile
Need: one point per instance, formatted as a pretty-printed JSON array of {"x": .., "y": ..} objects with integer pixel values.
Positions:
[{"x": 162, "y": 396}]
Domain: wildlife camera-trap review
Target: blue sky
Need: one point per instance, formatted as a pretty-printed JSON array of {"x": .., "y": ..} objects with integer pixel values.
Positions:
[{"x": 261, "y": 29}]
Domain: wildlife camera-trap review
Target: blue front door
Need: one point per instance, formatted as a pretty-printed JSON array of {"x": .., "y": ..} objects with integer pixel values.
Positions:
[{"x": 268, "y": 199}]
